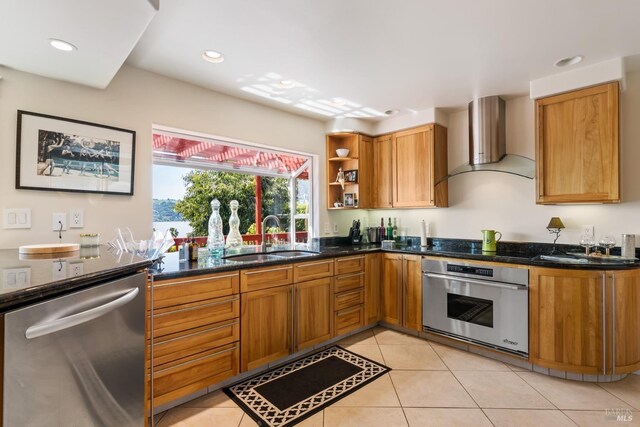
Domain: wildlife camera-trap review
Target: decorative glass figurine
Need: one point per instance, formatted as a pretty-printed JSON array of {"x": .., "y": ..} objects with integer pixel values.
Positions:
[
  {"x": 215, "y": 240},
  {"x": 234, "y": 239}
]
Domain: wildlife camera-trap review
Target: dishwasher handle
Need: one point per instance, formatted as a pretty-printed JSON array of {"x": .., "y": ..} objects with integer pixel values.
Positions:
[
  {"x": 477, "y": 282},
  {"x": 56, "y": 325}
]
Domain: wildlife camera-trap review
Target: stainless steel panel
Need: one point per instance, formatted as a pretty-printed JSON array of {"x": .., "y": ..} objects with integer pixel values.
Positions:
[
  {"x": 82, "y": 361},
  {"x": 487, "y": 143},
  {"x": 517, "y": 276}
]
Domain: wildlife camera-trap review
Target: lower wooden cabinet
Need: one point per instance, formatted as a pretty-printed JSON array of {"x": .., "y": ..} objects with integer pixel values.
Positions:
[
  {"x": 585, "y": 321},
  {"x": 267, "y": 326},
  {"x": 313, "y": 312},
  {"x": 372, "y": 272},
  {"x": 402, "y": 290}
]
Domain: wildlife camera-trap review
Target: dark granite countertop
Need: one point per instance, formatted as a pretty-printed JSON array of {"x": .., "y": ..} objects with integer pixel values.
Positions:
[
  {"x": 508, "y": 252},
  {"x": 28, "y": 279}
]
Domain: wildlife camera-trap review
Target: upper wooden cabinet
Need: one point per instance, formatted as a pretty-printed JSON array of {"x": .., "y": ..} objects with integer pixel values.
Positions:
[
  {"x": 419, "y": 167},
  {"x": 382, "y": 194},
  {"x": 359, "y": 159},
  {"x": 577, "y": 146}
]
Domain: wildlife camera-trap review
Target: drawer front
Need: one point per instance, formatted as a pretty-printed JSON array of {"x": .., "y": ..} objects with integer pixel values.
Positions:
[
  {"x": 195, "y": 316},
  {"x": 263, "y": 278},
  {"x": 190, "y": 344},
  {"x": 167, "y": 293},
  {"x": 348, "y": 299},
  {"x": 349, "y": 319},
  {"x": 184, "y": 379},
  {"x": 349, "y": 264},
  {"x": 348, "y": 282},
  {"x": 312, "y": 270}
]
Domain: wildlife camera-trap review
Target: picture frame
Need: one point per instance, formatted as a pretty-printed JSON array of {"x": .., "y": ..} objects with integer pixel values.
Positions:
[
  {"x": 351, "y": 175},
  {"x": 62, "y": 154},
  {"x": 349, "y": 199}
]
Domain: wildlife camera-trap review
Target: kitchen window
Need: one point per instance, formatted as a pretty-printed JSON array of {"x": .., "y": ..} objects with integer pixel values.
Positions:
[{"x": 191, "y": 169}]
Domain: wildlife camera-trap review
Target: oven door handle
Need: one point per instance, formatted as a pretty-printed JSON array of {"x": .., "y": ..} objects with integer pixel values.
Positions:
[{"x": 477, "y": 282}]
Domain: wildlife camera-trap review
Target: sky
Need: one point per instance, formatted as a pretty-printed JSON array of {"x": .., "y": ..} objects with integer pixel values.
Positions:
[{"x": 167, "y": 182}]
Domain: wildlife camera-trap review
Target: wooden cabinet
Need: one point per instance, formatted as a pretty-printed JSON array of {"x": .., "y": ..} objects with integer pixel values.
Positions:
[
  {"x": 419, "y": 167},
  {"x": 372, "y": 272},
  {"x": 359, "y": 159},
  {"x": 196, "y": 333},
  {"x": 313, "y": 312},
  {"x": 348, "y": 289},
  {"x": 382, "y": 194},
  {"x": 577, "y": 146},
  {"x": 267, "y": 326},
  {"x": 623, "y": 294},
  {"x": 585, "y": 321},
  {"x": 402, "y": 290},
  {"x": 263, "y": 278}
]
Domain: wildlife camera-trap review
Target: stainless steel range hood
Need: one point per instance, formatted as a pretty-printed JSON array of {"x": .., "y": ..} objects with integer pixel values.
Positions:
[{"x": 487, "y": 141}]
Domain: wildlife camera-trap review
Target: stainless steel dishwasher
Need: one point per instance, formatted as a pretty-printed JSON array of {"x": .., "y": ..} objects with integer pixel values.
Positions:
[{"x": 77, "y": 360}]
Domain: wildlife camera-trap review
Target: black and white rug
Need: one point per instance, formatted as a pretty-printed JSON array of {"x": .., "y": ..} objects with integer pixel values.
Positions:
[{"x": 287, "y": 395}]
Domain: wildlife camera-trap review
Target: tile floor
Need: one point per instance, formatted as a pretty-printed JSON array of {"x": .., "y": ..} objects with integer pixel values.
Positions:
[{"x": 435, "y": 385}]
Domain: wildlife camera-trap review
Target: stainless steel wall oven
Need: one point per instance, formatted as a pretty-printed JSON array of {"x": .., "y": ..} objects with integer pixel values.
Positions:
[{"x": 487, "y": 305}]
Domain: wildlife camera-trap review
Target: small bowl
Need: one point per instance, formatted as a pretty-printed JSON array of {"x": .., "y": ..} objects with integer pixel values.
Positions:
[
  {"x": 337, "y": 204},
  {"x": 342, "y": 152}
]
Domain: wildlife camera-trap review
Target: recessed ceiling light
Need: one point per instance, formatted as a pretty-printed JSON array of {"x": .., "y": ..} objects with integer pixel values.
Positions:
[
  {"x": 391, "y": 112},
  {"x": 569, "y": 60},
  {"x": 212, "y": 56},
  {"x": 338, "y": 101},
  {"x": 62, "y": 45},
  {"x": 287, "y": 84}
]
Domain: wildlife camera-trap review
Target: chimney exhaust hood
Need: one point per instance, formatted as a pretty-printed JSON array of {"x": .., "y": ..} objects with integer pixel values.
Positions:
[{"x": 487, "y": 141}]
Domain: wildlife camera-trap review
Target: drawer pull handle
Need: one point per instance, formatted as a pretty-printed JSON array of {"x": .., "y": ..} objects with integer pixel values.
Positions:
[
  {"x": 159, "y": 285},
  {"x": 250, "y": 273}
]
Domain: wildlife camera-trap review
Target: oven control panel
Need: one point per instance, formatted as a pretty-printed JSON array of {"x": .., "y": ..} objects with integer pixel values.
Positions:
[{"x": 467, "y": 269}]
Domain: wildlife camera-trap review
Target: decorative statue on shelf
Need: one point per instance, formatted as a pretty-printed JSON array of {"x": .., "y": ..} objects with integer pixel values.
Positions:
[
  {"x": 340, "y": 178},
  {"x": 234, "y": 239}
]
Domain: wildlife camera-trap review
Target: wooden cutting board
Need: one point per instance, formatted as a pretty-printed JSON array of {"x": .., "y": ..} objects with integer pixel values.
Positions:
[{"x": 49, "y": 248}]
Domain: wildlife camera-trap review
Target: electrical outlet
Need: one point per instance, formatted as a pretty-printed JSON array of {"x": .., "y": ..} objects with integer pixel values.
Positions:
[
  {"x": 76, "y": 269},
  {"x": 588, "y": 230},
  {"x": 335, "y": 228},
  {"x": 327, "y": 228},
  {"x": 57, "y": 220},
  {"x": 76, "y": 218}
]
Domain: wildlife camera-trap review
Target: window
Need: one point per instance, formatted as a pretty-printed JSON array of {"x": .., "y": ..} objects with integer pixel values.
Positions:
[{"x": 191, "y": 169}]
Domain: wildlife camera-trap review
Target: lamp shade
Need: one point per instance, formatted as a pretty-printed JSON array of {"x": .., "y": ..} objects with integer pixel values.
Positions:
[{"x": 555, "y": 222}]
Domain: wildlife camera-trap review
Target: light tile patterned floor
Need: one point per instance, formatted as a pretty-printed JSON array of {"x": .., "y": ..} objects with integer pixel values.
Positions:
[{"x": 435, "y": 385}]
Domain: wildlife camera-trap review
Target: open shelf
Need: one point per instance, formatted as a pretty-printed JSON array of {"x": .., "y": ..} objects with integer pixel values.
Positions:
[{"x": 341, "y": 159}]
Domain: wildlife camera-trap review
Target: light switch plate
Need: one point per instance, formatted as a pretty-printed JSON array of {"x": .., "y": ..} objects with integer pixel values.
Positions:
[
  {"x": 16, "y": 218},
  {"x": 16, "y": 277},
  {"x": 588, "y": 230}
]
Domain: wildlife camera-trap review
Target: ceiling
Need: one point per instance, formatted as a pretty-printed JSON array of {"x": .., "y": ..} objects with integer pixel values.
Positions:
[{"x": 376, "y": 55}]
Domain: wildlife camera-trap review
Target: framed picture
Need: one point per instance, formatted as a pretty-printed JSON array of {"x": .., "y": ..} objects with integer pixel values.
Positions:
[
  {"x": 59, "y": 154},
  {"x": 351, "y": 175},
  {"x": 349, "y": 199}
]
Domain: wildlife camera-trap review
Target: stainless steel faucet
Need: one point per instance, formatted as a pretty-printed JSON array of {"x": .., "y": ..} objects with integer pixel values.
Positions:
[{"x": 264, "y": 227}]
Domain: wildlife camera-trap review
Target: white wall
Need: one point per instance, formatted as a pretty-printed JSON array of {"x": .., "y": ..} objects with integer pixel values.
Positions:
[
  {"x": 135, "y": 100},
  {"x": 481, "y": 200}
]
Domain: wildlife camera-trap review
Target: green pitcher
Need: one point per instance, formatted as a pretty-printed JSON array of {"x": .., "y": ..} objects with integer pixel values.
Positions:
[{"x": 489, "y": 240}]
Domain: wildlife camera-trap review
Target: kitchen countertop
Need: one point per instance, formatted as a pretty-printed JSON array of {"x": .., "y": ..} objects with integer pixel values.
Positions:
[
  {"x": 511, "y": 253},
  {"x": 28, "y": 279}
]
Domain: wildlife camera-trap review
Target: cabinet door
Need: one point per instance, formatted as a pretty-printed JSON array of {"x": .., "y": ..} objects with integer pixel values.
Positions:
[
  {"x": 577, "y": 158},
  {"x": 566, "y": 309},
  {"x": 382, "y": 180},
  {"x": 372, "y": 270},
  {"x": 412, "y": 163},
  {"x": 412, "y": 291},
  {"x": 314, "y": 312},
  {"x": 624, "y": 305},
  {"x": 266, "y": 326},
  {"x": 365, "y": 173},
  {"x": 392, "y": 289}
]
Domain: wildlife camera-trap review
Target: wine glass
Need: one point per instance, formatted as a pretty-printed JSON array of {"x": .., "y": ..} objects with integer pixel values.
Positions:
[
  {"x": 607, "y": 242},
  {"x": 587, "y": 242}
]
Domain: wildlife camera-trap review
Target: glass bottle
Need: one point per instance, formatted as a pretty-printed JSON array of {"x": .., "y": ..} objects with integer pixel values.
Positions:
[
  {"x": 193, "y": 250},
  {"x": 389, "y": 230},
  {"x": 395, "y": 230},
  {"x": 383, "y": 231},
  {"x": 215, "y": 239},
  {"x": 234, "y": 239}
]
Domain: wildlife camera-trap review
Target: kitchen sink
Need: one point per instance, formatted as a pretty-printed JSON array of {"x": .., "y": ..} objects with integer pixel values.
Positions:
[
  {"x": 254, "y": 257},
  {"x": 294, "y": 254}
]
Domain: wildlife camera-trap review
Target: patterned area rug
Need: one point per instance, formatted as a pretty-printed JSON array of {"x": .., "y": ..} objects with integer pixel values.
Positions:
[{"x": 287, "y": 395}]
